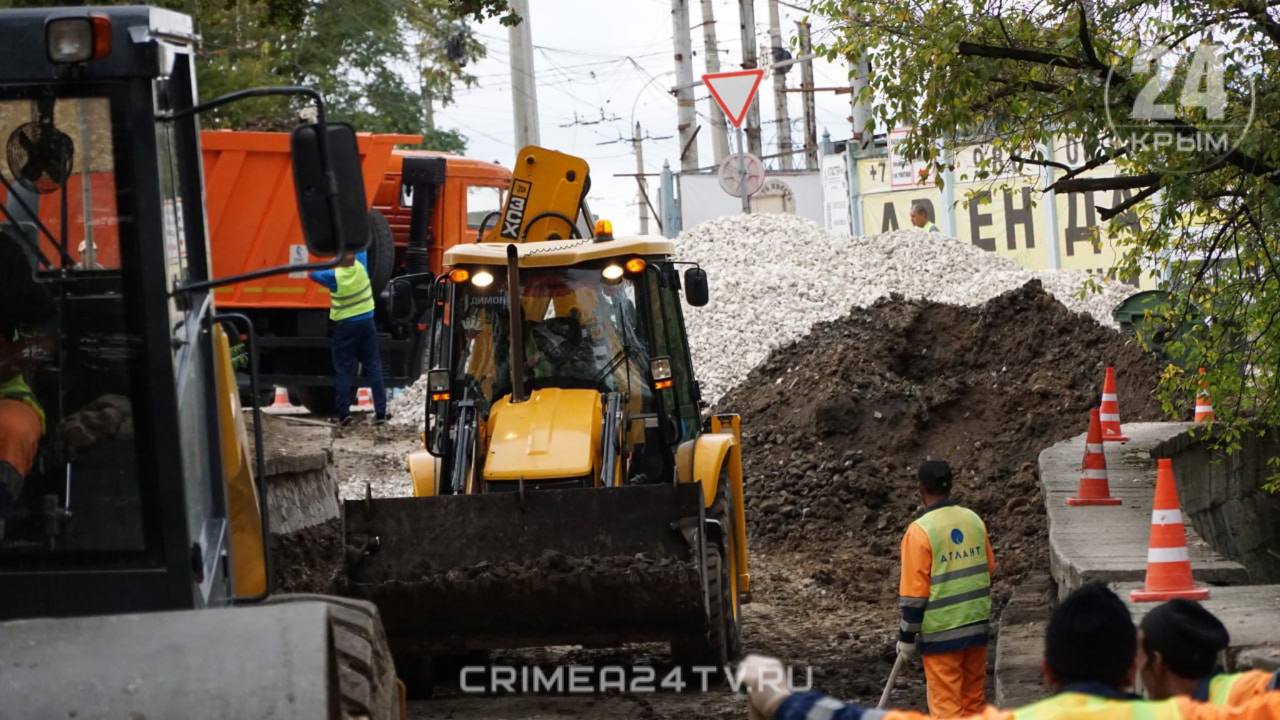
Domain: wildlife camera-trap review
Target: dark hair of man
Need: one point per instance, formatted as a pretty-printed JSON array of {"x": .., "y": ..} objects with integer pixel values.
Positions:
[
  {"x": 1091, "y": 638},
  {"x": 935, "y": 477},
  {"x": 1186, "y": 635}
]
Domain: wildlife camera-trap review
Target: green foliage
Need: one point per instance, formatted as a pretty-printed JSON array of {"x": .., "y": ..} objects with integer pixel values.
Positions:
[
  {"x": 374, "y": 61},
  {"x": 1019, "y": 75}
]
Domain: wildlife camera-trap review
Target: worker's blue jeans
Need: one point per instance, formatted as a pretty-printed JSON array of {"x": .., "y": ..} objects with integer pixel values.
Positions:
[{"x": 355, "y": 341}]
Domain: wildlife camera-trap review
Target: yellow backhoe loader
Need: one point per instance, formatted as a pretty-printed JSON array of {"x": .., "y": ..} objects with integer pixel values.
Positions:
[{"x": 569, "y": 490}]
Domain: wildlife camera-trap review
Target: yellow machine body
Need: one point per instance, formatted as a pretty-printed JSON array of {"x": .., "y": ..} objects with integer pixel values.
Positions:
[
  {"x": 248, "y": 551},
  {"x": 544, "y": 183},
  {"x": 555, "y": 434}
]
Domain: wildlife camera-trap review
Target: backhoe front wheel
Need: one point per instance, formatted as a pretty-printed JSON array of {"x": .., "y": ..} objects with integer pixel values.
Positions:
[{"x": 722, "y": 640}]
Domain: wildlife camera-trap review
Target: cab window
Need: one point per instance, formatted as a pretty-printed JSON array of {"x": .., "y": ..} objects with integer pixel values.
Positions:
[{"x": 481, "y": 201}]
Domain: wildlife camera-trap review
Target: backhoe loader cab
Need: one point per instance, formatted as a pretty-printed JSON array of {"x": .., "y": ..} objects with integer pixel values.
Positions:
[
  {"x": 128, "y": 497},
  {"x": 569, "y": 490}
]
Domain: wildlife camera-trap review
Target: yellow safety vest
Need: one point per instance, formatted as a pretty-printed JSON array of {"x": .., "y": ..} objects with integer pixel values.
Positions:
[
  {"x": 16, "y": 388},
  {"x": 959, "y": 583},
  {"x": 354, "y": 295},
  {"x": 1080, "y": 705}
]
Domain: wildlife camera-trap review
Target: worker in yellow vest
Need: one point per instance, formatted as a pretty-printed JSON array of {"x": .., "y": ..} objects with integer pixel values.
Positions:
[
  {"x": 920, "y": 212},
  {"x": 1180, "y": 643},
  {"x": 25, "y": 308},
  {"x": 945, "y": 596},
  {"x": 353, "y": 337},
  {"x": 1090, "y": 658}
]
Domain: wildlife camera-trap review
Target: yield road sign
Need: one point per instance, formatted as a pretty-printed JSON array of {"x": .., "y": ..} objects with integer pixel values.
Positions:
[{"x": 733, "y": 91}]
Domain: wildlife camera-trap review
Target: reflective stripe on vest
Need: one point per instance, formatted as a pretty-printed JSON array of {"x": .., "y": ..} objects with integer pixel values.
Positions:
[
  {"x": 1220, "y": 688},
  {"x": 354, "y": 295},
  {"x": 1080, "y": 705},
  {"x": 959, "y": 584},
  {"x": 16, "y": 388}
]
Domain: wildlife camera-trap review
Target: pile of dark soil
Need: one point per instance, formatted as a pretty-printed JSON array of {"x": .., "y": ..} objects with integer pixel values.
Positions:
[{"x": 836, "y": 423}]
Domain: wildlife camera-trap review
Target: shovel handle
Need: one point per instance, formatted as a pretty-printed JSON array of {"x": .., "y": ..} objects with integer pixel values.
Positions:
[{"x": 893, "y": 676}]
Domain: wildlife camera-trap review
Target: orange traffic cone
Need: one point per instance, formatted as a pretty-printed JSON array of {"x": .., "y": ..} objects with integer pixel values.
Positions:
[
  {"x": 1168, "y": 564},
  {"x": 364, "y": 399},
  {"x": 1109, "y": 413},
  {"x": 281, "y": 401},
  {"x": 1093, "y": 488},
  {"x": 1204, "y": 403}
]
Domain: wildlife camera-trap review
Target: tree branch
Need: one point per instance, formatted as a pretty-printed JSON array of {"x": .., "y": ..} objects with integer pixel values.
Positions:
[
  {"x": 1086, "y": 40},
  {"x": 1040, "y": 57},
  {"x": 1118, "y": 182},
  {"x": 1042, "y": 163},
  {"x": 1257, "y": 11},
  {"x": 1108, "y": 213}
]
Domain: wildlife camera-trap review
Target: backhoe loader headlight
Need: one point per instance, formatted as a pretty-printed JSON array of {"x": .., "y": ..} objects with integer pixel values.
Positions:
[
  {"x": 482, "y": 279},
  {"x": 635, "y": 265},
  {"x": 660, "y": 370},
  {"x": 438, "y": 384},
  {"x": 459, "y": 275},
  {"x": 77, "y": 39},
  {"x": 612, "y": 272}
]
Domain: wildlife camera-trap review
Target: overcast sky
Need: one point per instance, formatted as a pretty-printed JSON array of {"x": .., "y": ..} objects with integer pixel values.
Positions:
[{"x": 613, "y": 59}]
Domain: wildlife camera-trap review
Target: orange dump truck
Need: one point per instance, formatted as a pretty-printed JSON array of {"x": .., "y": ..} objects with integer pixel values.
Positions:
[{"x": 253, "y": 222}]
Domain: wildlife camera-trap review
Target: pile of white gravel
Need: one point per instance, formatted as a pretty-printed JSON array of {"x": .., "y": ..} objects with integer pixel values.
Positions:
[{"x": 773, "y": 276}]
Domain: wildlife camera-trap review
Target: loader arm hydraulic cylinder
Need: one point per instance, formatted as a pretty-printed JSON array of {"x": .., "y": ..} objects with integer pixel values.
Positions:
[{"x": 515, "y": 322}]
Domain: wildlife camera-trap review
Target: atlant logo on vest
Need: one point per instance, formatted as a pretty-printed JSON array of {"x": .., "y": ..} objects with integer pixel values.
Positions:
[{"x": 957, "y": 538}]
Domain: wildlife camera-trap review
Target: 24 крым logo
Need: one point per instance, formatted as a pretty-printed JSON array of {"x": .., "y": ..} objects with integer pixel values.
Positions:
[{"x": 1173, "y": 101}]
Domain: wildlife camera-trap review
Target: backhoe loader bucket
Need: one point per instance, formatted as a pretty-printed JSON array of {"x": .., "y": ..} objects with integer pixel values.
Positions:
[{"x": 546, "y": 567}]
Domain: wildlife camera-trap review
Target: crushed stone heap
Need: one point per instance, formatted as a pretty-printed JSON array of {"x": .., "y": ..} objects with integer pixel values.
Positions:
[
  {"x": 773, "y": 276},
  {"x": 836, "y": 423}
]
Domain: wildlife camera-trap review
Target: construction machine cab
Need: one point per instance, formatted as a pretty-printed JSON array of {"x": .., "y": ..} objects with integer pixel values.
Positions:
[{"x": 117, "y": 428}]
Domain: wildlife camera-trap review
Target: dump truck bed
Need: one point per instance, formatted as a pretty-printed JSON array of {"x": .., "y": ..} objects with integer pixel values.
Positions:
[{"x": 578, "y": 566}]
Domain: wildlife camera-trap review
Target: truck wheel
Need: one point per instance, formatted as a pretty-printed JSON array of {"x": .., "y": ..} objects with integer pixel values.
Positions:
[
  {"x": 382, "y": 252},
  {"x": 711, "y": 647},
  {"x": 318, "y": 400}
]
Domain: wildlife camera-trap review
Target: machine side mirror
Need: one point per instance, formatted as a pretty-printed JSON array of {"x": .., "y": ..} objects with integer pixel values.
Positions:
[
  {"x": 696, "y": 291},
  {"x": 313, "y": 186}
]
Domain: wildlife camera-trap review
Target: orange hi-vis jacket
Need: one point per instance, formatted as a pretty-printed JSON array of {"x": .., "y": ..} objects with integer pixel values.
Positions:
[
  {"x": 1063, "y": 706},
  {"x": 1236, "y": 688},
  {"x": 916, "y": 591}
]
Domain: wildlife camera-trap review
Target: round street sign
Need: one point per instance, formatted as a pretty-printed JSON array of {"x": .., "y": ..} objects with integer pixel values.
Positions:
[{"x": 729, "y": 175}]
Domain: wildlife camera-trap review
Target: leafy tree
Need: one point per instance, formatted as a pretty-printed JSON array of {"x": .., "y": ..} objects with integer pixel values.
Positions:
[
  {"x": 378, "y": 63},
  {"x": 1021, "y": 74}
]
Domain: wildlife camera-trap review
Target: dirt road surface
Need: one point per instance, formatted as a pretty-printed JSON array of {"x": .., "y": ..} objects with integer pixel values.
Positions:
[{"x": 801, "y": 611}]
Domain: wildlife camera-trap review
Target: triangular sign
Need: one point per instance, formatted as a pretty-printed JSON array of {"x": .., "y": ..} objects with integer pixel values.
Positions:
[{"x": 733, "y": 91}]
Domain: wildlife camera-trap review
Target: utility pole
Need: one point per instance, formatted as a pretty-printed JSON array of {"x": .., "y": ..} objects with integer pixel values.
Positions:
[
  {"x": 859, "y": 108},
  {"x": 747, "y": 28},
  {"x": 806, "y": 86},
  {"x": 524, "y": 91},
  {"x": 687, "y": 122},
  {"x": 642, "y": 185},
  {"x": 780, "y": 114},
  {"x": 719, "y": 138}
]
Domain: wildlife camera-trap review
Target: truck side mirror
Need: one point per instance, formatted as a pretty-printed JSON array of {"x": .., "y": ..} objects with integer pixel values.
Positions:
[
  {"x": 695, "y": 287},
  {"x": 312, "y": 185}
]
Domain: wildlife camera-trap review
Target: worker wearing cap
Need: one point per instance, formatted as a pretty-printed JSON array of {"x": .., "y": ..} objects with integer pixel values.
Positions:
[
  {"x": 945, "y": 596},
  {"x": 354, "y": 336},
  {"x": 1181, "y": 641},
  {"x": 920, "y": 217},
  {"x": 1090, "y": 659}
]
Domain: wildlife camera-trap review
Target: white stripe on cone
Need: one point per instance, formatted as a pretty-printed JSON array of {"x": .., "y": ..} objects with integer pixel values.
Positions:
[
  {"x": 1166, "y": 517},
  {"x": 1109, "y": 417},
  {"x": 1095, "y": 448},
  {"x": 1168, "y": 555},
  {"x": 1204, "y": 408},
  {"x": 1092, "y": 474},
  {"x": 1109, "y": 397}
]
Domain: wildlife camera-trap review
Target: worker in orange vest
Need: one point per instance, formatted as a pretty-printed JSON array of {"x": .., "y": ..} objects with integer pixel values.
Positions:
[
  {"x": 1090, "y": 658},
  {"x": 945, "y": 596},
  {"x": 1180, "y": 642}
]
